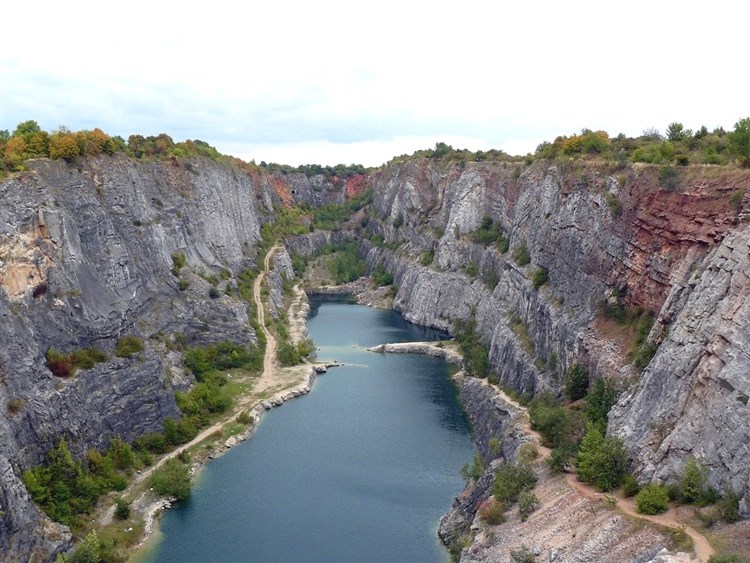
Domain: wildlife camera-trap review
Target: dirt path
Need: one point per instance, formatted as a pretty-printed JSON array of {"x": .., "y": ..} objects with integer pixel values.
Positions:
[{"x": 702, "y": 547}]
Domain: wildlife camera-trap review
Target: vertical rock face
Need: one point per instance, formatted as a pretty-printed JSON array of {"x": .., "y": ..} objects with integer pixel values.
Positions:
[
  {"x": 693, "y": 397},
  {"x": 681, "y": 254},
  {"x": 86, "y": 256}
]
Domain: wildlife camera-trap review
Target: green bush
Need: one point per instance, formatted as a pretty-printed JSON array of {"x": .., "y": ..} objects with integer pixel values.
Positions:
[
  {"x": 599, "y": 401},
  {"x": 65, "y": 365},
  {"x": 521, "y": 254},
  {"x": 171, "y": 479},
  {"x": 122, "y": 509},
  {"x": 492, "y": 512},
  {"x": 725, "y": 558},
  {"x": 127, "y": 346},
  {"x": 652, "y": 499},
  {"x": 427, "y": 258},
  {"x": 476, "y": 354},
  {"x": 345, "y": 264},
  {"x": 729, "y": 507},
  {"x": 576, "y": 382},
  {"x": 489, "y": 232},
  {"x": 527, "y": 503},
  {"x": 474, "y": 471},
  {"x": 511, "y": 480},
  {"x": 66, "y": 488},
  {"x": 601, "y": 461},
  {"x": 559, "y": 427},
  {"x": 561, "y": 458},
  {"x": 178, "y": 262},
  {"x": 693, "y": 483},
  {"x": 630, "y": 486},
  {"x": 207, "y": 360},
  {"x": 539, "y": 278},
  {"x": 380, "y": 277}
]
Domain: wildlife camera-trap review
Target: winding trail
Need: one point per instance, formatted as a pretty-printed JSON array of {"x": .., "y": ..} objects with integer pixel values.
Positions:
[
  {"x": 702, "y": 547},
  {"x": 265, "y": 381}
]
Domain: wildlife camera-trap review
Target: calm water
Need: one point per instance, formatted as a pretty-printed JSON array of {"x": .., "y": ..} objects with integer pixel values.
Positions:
[{"x": 361, "y": 469}]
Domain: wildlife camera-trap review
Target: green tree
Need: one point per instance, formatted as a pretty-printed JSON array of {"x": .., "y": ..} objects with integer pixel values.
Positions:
[
  {"x": 172, "y": 479},
  {"x": 675, "y": 132},
  {"x": 693, "y": 482},
  {"x": 739, "y": 141},
  {"x": 601, "y": 461},
  {"x": 88, "y": 551},
  {"x": 576, "y": 382},
  {"x": 599, "y": 401},
  {"x": 122, "y": 509}
]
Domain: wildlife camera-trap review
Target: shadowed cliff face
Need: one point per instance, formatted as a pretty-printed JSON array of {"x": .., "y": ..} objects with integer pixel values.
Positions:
[{"x": 86, "y": 256}]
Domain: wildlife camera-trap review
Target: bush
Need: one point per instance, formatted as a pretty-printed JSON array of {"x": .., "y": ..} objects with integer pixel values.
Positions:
[
  {"x": 511, "y": 480},
  {"x": 527, "y": 503},
  {"x": 729, "y": 507},
  {"x": 178, "y": 262},
  {"x": 601, "y": 461},
  {"x": 576, "y": 382},
  {"x": 214, "y": 293},
  {"x": 476, "y": 354},
  {"x": 521, "y": 255},
  {"x": 172, "y": 479},
  {"x": 693, "y": 483},
  {"x": 725, "y": 558},
  {"x": 561, "y": 458},
  {"x": 652, "y": 499},
  {"x": 522, "y": 555},
  {"x": 122, "y": 509},
  {"x": 60, "y": 364},
  {"x": 127, "y": 346},
  {"x": 492, "y": 512},
  {"x": 540, "y": 277},
  {"x": 380, "y": 277},
  {"x": 630, "y": 485},
  {"x": 599, "y": 401},
  {"x": 559, "y": 427},
  {"x": 474, "y": 471}
]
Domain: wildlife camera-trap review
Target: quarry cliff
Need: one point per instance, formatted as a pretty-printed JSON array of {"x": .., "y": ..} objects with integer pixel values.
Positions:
[{"x": 88, "y": 254}]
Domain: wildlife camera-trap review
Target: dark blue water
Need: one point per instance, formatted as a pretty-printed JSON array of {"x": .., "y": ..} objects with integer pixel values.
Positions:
[{"x": 361, "y": 469}]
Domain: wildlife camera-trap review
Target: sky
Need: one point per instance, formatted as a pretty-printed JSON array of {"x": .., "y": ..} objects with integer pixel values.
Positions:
[{"x": 334, "y": 82}]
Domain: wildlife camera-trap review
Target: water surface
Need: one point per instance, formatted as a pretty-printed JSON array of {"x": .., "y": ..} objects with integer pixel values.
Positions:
[{"x": 361, "y": 469}]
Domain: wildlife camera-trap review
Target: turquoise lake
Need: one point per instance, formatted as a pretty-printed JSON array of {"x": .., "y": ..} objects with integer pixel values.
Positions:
[{"x": 360, "y": 469}]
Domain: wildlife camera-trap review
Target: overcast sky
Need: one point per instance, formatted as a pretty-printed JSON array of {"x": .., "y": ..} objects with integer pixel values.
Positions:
[{"x": 342, "y": 82}]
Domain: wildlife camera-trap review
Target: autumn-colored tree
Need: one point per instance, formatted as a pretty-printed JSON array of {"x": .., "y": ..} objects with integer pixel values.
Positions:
[
  {"x": 15, "y": 152},
  {"x": 63, "y": 145}
]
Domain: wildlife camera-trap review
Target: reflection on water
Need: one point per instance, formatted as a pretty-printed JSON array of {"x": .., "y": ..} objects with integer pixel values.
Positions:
[{"x": 361, "y": 469}]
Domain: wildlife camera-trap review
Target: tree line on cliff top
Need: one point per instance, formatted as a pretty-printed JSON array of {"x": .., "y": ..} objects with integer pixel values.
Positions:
[{"x": 677, "y": 145}]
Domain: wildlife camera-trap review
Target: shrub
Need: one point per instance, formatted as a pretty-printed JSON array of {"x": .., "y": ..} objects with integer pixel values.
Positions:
[
  {"x": 476, "y": 354},
  {"x": 60, "y": 364},
  {"x": 601, "y": 461},
  {"x": 522, "y": 555},
  {"x": 725, "y": 558},
  {"x": 213, "y": 293},
  {"x": 127, "y": 346},
  {"x": 614, "y": 204},
  {"x": 88, "y": 551},
  {"x": 381, "y": 277},
  {"x": 492, "y": 512},
  {"x": 178, "y": 262},
  {"x": 693, "y": 483},
  {"x": 559, "y": 427},
  {"x": 668, "y": 177},
  {"x": 521, "y": 255},
  {"x": 729, "y": 507},
  {"x": 172, "y": 479},
  {"x": 652, "y": 499},
  {"x": 576, "y": 382},
  {"x": 511, "y": 480},
  {"x": 630, "y": 485},
  {"x": 427, "y": 258},
  {"x": 474, "y": 471},
  {"x": 599, "y": 401},
  {"x": 15, "y": 405},
  {"x": 561, "y": 458},
  {"x": 122, "y": 509},
  {"x": 527, "y": 503},
  {"x": 540, "y": 277}
]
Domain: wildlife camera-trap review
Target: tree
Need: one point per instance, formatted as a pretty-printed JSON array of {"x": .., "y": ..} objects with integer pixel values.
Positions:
[
  {"x": 739, "y": 141},
  {"x": 63, "y": 145},
  {"x": 675, "y": 132},
  {"x": 693, "y": 482},
  {"x": 601, "y": 461},
  {"x": 600, "y": 399},
  {"x": 576, "y": 382}
]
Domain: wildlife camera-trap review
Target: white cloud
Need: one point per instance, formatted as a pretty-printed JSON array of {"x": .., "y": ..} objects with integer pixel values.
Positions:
[{"x": 283, "y": 77}]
